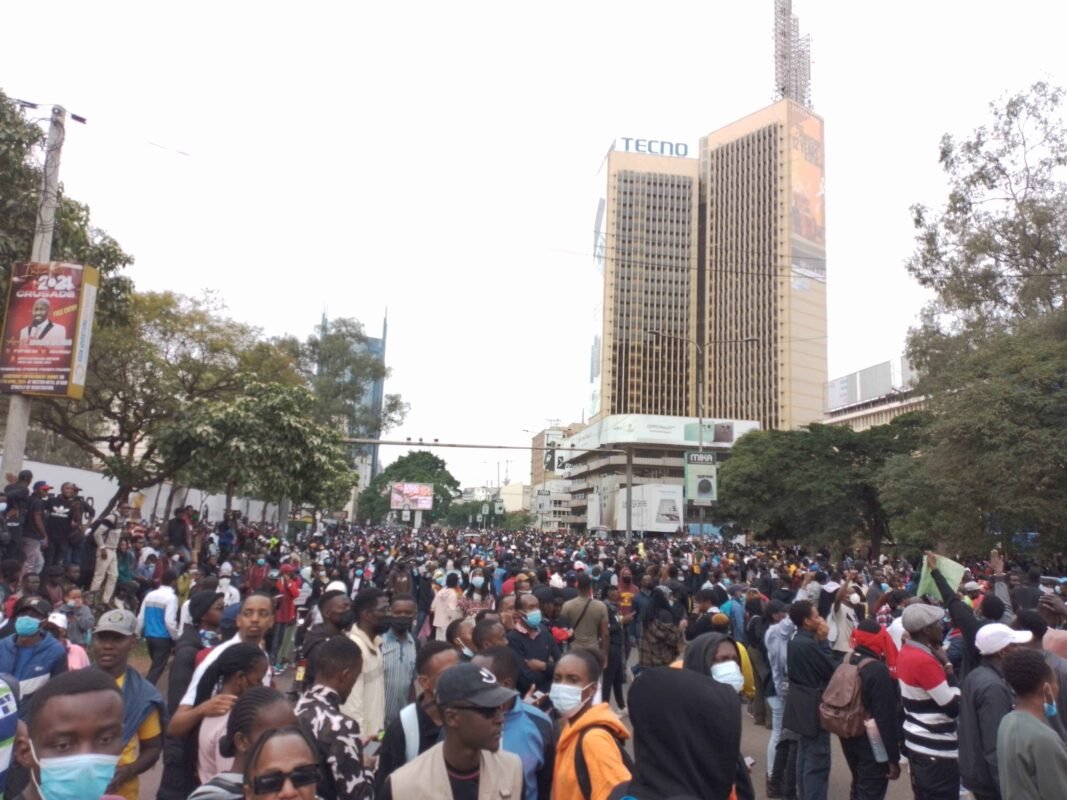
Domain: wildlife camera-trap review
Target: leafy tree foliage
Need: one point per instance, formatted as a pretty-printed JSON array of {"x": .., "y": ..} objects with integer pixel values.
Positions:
[
  {"x": 419, "y": 466},
  {"x": 991, "y": 345},
  {"x": 263, "y": 443},
  {"x": 172, "y": 352},
  {"x": 818, "y": 485}
]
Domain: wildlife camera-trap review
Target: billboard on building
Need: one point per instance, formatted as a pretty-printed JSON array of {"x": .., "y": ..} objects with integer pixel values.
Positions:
[
  {"x": 415, "y": 496},
  {"x": 656, "y": 508},
  {"x": 701, "y": 478},
  {"x": 48, "y": 325},
  {"x": 657, "y": 429},
  {"x": 807, "y": 194}
]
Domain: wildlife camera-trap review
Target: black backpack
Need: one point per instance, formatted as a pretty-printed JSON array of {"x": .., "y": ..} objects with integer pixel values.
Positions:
[{"x": 581, "y": 769}]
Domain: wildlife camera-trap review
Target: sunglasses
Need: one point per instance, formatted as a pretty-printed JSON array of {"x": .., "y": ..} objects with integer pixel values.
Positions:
[
  {"x": 272, "y": 782},
  {"x": 488, "y": 713}
]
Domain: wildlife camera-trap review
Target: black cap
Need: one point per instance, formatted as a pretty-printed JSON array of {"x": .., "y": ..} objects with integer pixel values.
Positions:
[
  {"x": 36, "y": 604},
  {"x": 466, "y": 684}
]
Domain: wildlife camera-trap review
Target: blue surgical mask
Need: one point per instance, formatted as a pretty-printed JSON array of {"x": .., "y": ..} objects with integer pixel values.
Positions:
[
  {"x": 533, "y": 618},
  {"x": 78, "y": 777},
  {"x": 261, "y": 561},
  {"x": 27, "y": 626},
  {"x": 1050, "y": 708},
  {"x": 477, "y": 581},
  {"x": 359, "y": 573}
]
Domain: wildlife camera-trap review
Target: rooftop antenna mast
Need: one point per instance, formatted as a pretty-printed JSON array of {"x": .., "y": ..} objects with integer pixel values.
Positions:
[{"x": 792, "y": 57}]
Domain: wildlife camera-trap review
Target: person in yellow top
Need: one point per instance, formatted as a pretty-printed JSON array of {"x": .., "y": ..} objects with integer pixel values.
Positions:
[
  {"x": 590, "y": 759},
  {"x": 142, "y": 726}
]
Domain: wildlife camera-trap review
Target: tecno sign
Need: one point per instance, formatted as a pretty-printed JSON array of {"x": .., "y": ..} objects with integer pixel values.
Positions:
[{"x": 655, "y": 147}]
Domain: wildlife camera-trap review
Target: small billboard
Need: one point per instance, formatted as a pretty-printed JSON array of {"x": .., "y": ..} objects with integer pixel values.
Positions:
[
  {"x": 701, "y": 478},
  {"x": 414, "y": 496},
  {"x": 48, "y": 325}
]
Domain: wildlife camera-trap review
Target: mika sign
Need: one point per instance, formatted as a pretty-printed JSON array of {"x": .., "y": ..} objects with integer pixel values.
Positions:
[{"x": 655, "y": 147}]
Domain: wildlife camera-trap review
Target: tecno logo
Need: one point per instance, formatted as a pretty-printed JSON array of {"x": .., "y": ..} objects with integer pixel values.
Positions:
[{"x": 655, "y": 147}]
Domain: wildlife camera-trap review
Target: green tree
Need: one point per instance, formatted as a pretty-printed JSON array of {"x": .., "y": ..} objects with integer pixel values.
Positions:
[
  {"x": 171, "y": 352},
  {"x": 989, "y": 347},
  {"x": 263, "y": 443},
  {"x": 419, "y": 466},
  {"x": 818, "y": 485},
  {"x": 518, "y": 520}
]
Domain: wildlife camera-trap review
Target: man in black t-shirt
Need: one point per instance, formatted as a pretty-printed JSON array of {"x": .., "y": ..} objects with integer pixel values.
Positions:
[
  {"x": 18, "y": 506},
  {"x": 64, "y": 520},
  {"x": 35, "y": 532}
]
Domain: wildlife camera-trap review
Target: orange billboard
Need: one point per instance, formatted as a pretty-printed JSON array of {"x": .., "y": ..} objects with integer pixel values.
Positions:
[
  {"x": 808, "y": 197},
  {"x": 48, "y": 324}
]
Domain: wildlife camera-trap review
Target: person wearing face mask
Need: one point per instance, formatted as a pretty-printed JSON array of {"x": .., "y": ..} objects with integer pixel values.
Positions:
[
  {"x": 460, "y": 635},
  {"x": 231, "y": 596},
  {"x": 32, "y": 655},
  {"x": 445, "y": 608},
  {"x": 591, "y": 758},
  {"x": 256, "y": 575},
  {"x": 681, "y": 749},
  {"x": 337, "y": 617},
  {"x": 478, "y": 596},
  {"x": 71, "y": 738},
  {"x": 534, "y": 644},
  {"x": 366, "y": 703},
  {"x": 1031, "y": 757},
  {"x": 418, "y": 728},
  {"x": 398, "y": 655}
]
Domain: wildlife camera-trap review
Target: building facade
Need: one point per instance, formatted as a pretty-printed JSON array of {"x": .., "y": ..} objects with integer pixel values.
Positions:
[
  {"x": 714, "y": 292},
  {"x": 873, "y": 396}
]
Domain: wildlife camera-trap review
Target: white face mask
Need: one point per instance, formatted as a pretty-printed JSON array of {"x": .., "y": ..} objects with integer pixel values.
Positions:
[
  {"x": 224, "y": 583},
  {"x": 567, "y": 699},
  {"x": 729, "y": 672}
]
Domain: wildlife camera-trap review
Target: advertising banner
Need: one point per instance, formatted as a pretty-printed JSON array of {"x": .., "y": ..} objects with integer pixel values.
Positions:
[
  {"x": 48, "y": 325},
  {"x": 656, "y": 508},
  {"x": 414, "y": 496},
  {"x": 701, "y": 478},
  {"x": 544, "y": 501},
  {"x": 808, "y": 201}
]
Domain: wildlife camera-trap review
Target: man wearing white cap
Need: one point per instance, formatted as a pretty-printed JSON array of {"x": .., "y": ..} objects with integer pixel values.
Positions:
[
  {"x": 985, "y": 700},
  {"x": 931, "y": 705}
]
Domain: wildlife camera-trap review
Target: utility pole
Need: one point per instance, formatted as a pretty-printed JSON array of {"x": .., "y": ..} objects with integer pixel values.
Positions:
[{"x": 18, "y": 413}]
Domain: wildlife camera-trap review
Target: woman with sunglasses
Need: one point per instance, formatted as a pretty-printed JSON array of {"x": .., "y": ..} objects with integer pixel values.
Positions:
[
  {"x": 282, "y": 766},
  {"x": 256, "y": 712}
]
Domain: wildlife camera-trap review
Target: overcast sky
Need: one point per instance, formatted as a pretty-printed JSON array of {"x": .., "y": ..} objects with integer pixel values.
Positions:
[{"x": 440, "y": 159}]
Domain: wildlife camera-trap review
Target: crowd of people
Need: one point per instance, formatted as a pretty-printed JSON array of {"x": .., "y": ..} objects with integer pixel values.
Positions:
[{"x": 398, "y": 663}]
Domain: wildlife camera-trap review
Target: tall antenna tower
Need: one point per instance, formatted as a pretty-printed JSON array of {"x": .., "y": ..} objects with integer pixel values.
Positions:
[{"x": 792, "y": 56}]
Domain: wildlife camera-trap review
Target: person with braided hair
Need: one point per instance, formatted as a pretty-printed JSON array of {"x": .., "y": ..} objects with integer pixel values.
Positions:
[
  {"x": 234, "y": 672},
  {"x": 257, "y": 711}
]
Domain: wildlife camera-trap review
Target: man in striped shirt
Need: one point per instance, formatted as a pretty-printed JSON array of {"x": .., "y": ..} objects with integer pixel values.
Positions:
[{"x": 931, "y": 705}]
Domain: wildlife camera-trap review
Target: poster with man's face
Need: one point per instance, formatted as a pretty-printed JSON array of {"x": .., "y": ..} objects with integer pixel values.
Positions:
[{"x": 47, "y": 314}]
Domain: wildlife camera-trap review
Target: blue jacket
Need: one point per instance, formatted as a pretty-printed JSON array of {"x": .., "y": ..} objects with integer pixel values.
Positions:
[
  {"x": 32, "y": 666},
  {"x": 528, "y": 733},
  {"x": 139, "y": 697}
]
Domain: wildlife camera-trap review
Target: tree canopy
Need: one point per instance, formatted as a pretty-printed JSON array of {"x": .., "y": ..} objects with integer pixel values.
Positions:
[{"x": 419, "y": 466}]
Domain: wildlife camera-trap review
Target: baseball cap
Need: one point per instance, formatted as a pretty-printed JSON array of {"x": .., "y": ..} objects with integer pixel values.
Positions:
[
  {"x": 117, "y": 621},
  {"x": 41, "y": 485},
  {"x": 468, "y": 684},
  {"x": 920, "y": 615},
  {"x": 38, "y": 605},
  {"x": 58, "y": 619},
  {"x": 226, "y": 569},
  {"x": 996, "y": 636},
  {"x": 972, "y": 586}
]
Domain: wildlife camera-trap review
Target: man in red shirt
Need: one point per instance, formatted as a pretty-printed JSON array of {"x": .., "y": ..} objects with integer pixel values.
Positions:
[{"x": 288, "y": 589}]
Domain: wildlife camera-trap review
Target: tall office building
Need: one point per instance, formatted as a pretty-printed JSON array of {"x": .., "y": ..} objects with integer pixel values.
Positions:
[
  {"x": 725, "y": 255},
  {"x": 764, "y": 268},
  {"x": 650, "y": 270}
]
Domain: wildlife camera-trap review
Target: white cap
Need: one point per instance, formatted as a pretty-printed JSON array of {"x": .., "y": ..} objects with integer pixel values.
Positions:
[
  {"x": 579, "y": 565},
  {"x": 972, "y": 586},
  {"x": 226, "y": 569},
  {"x": 996, "y": 636},
  {"x": 58, "y": 619},
  {"x": 336, "y": 586}
]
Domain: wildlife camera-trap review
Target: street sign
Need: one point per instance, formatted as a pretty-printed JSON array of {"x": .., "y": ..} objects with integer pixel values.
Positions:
[
  {"x": 499, "y": 508},
  {"x": 479, "y": 518},
  {"x": 485, "y": 509}
]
